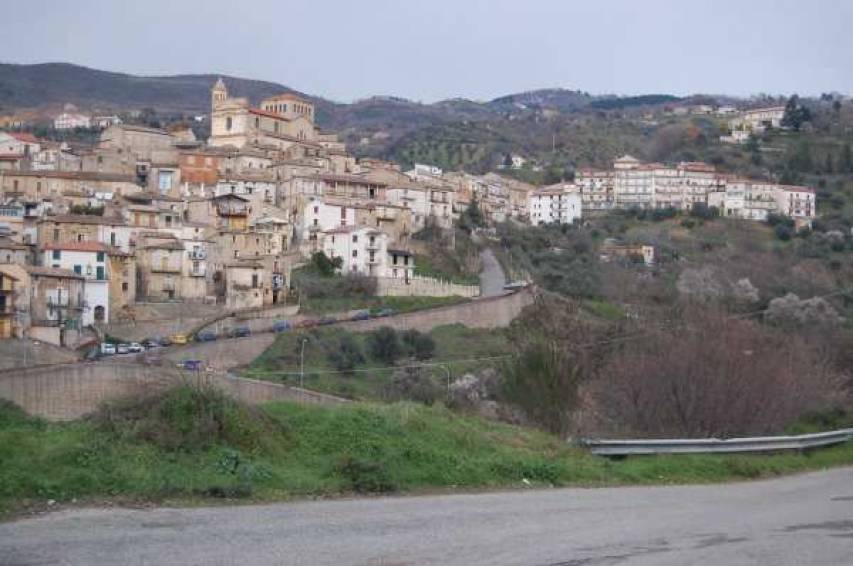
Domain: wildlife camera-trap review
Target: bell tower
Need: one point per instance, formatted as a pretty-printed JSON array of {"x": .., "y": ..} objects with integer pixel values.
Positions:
[{"x": 218, "y": 94}]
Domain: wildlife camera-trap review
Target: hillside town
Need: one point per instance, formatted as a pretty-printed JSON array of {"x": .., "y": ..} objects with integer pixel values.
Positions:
[{"x": 150, "y": 215}]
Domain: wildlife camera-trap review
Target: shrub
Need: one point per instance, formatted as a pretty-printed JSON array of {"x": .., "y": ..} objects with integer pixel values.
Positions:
[
  {"x": 783, "y": 232},
  {"x": 345, "y": 354},
  {"x": 366, "y": 476},
  {"x": 412, "y": 384},
  {"x": 544, "y": 382},
  {"x": 384, "y": 344},
  {"x": 419, "y": 345},
  {"x": 709, "y": 375},
  {"x": 703, "y": 211},
  {"x": 325, "y": 266},
  {"x": 184, "y": 418}
]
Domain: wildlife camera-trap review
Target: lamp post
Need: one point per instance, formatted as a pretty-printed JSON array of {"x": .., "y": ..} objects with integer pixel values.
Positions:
[{"x": 302, "y": 368}]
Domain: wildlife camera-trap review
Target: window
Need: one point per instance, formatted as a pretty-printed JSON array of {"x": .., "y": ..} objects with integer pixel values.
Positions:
[
  {"x": 355, "y": 253},
  {"x": 100, "y": 257},
  {"x": 78, "y": 269},
  {"x": 355, "y": 238},
  {"x": 99, "y": 273},
  {"x": 112, "y": 238},
  {"x": 228, "y": 123},
  {"x": 124, "y": 287},
  {"x": 316, "y": 210},
  {"x": 254, "y": 281},
  {"x": 56, "y": 254},
  {"x": 79, "y": 237}
]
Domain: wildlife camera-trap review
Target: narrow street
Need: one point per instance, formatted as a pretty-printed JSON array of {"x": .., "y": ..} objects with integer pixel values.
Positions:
[{"x": 492, "y": 278}]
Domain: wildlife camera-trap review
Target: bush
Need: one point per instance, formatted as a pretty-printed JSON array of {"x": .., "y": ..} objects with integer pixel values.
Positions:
[
  {"x": 711, "y": 376},
  {"x": 325, "y": 266},
  {"x": 783, "y": 232},
  {"x": 412, "y": 384},
  {"x": 384, "y": 344},
  {"x": 661, "y": 214},
  {"x": 366, "y": 476},
  {"x": 419, "y": 345},
  {"x": 544, "y": 382},
  {"x": 184, "y": 418},
  {"x": 346, "y": 354},
  {"x": 703, "y": 211}
]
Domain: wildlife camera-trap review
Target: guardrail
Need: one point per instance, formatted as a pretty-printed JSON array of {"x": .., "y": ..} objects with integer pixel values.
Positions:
[{"x": 716, "y": 445}]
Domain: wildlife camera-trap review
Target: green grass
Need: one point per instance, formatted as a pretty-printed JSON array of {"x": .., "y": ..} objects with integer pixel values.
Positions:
[
  {"x": 424, "y": 266},
  {"x": 280, "y": 362},
  {"x": 327, "y": 305},
  {"x": 285, "y": 450}
]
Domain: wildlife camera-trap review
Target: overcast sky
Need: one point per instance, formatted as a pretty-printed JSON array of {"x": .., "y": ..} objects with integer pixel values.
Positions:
[{"x": 434, "y": 49}]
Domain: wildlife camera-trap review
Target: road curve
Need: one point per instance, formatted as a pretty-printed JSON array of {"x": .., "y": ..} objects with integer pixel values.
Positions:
[
  {"x": 492, "y": 277},
  {"x": 805, "y": 519}
]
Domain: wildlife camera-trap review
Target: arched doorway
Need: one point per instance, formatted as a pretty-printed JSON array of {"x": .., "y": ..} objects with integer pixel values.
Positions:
[{"x": 99, "y": 313}]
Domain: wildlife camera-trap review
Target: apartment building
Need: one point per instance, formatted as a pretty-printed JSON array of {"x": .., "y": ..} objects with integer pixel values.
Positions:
[{"x": 555, "y": 204}]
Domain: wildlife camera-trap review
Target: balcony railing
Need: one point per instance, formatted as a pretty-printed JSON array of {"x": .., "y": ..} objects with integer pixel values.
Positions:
[{"x": 198, "y": 254}]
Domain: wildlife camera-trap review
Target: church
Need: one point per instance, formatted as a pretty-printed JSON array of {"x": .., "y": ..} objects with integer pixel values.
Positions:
[{"x": 284, "y": 122}]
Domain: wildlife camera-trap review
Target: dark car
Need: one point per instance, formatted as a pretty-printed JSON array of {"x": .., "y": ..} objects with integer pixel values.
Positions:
[
  {"x": 328, "y": 320},
  {"x": 360, "y": 315},
  {"x": 280, "y": 326},
  {"x": 191, "y": 364},
  {"x": 241, "y": 331},
  {"x": 206, "y": 336},
  {"x": 150, "y": 343}
]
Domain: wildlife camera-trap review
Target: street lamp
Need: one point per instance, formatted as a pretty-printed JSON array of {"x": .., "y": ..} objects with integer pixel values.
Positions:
[{"x": 302, "y": 368}]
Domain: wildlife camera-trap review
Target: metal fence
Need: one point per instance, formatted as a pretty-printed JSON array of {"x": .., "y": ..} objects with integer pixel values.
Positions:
[{"x": 716, "y": 445}]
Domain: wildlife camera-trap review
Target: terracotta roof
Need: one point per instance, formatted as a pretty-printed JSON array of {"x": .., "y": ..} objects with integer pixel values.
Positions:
[
  {"x": 50, "y": 272},
  {"x": 24, "y": 137},
  {"x": 287, "y": 96},
  {"x": 85, "y": 219},
  {"x": 77, "y": 246},
  {"x": 260, "y": 112}
]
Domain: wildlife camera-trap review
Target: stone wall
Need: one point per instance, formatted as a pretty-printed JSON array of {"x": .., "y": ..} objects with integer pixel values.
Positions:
[
  {"x": 419, "y": 286},
  {"x": 67, "y": 392}
]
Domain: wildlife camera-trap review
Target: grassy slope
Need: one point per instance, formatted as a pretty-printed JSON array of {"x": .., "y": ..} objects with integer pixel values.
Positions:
[
  {"x": 453, "y": 342},
  {"x": 314, "y": 451},
  {"x": 323, "y": 305}
]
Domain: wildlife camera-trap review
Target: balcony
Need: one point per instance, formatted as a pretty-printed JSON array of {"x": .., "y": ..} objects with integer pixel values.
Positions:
[
  {"x": 198, "y": 254},
  {"x": 165, "y": 269},
  {"x": 227, "y": 209},
  {"x": 198, "y": 272}
]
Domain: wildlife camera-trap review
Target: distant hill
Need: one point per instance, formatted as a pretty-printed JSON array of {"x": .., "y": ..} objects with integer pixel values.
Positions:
[{"x": 52, "y": 84}]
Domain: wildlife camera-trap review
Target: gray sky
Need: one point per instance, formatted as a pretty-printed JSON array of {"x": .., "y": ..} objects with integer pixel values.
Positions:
[{"x": 434, "y": 49}]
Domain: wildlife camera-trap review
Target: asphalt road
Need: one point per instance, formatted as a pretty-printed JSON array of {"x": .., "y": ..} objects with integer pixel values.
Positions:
[
  {"x": 802, "y": 520},
  {"x": 492, "y": 278}
]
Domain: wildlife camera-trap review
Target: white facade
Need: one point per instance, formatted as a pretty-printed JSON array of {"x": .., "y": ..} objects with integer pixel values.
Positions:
[
  {"x": 69, "y": 121},
  {"x": 320, "y": 216},
  {"x": 557, "y": 204},
  {"x": 93, "y": 265},
  {"x": 362, "y": 250}
]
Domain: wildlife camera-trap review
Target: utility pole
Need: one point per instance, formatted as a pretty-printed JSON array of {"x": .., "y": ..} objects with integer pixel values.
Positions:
[{"x": 302, "y": 369}]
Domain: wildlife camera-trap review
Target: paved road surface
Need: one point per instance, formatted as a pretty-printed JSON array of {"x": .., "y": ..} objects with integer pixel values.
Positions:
[
  {"x": 803, "y": 520},
  {"x": 492, "y": 277}
]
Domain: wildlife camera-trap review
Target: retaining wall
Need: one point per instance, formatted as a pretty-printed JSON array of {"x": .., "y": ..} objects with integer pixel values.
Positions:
[{"x": 67, "y": 392}]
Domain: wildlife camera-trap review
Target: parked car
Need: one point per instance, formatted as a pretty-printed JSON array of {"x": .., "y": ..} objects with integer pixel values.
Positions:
[
  {"x": 307, "y": 323},
  {"x": 179, "y": 339},
  {"x": 107, "y": 349},
  {"x": 241, "y": 331},
  {"x": 190, "y": 364},
  {"x": 280, "y": 326},
  {"x": 383, "y": 312},
  {"x": 360, "y": 315},
  {"x": 135, "y": 348},
  {"x": 206, "y": 336},
  {"x": 153, "y": 342},
  {"x": 328, "y": 320},
  {"x": 123, "y": 348}
]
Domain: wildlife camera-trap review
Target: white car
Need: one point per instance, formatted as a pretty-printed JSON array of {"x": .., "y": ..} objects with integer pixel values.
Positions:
[
  {"x": 135, "y": 348},
  {"x": 108, "y": 349}
]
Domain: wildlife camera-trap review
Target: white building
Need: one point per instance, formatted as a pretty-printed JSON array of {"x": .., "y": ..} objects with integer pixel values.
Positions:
[
  {"x": 91, "y": 261},
  {"x": 104, "y": 122},
  {"x": 365, "y": 251},
  {"x": 756, "y": 200},
  {"x": 555, "y": 204},
  {"x": 69, "y": 121}
]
